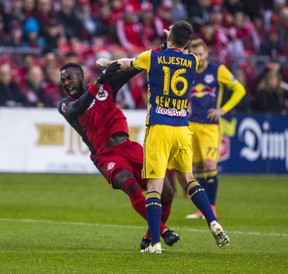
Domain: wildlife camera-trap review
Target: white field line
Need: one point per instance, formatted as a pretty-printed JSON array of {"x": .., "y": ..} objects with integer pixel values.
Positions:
[{"x": 32, "y": 221}]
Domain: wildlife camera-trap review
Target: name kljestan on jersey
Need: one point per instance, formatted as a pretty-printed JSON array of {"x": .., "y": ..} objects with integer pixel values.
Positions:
[{"x": 175, "y": 61}]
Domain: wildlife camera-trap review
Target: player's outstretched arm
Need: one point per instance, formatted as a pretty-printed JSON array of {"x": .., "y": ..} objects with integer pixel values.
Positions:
[{"x": 103, "y": 63}]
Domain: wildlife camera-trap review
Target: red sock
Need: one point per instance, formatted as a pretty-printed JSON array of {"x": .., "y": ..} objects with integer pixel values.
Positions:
[
  {"x": 162, "y": 228},
  {"x": 137, "y": 199}
]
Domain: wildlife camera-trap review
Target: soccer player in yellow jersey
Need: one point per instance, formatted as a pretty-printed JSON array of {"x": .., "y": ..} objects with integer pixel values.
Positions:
[
  {"x": 206, "y": 109},
  {"x": 168, "y": 138}
]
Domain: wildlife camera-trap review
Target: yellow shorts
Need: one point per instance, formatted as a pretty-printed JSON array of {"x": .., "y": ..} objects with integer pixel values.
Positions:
[
  {"x": 206, "y": 141},
  {"x": 167, "y": 147}
]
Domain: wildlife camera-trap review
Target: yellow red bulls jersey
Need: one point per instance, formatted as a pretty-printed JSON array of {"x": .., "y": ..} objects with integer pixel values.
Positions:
[
  {"x": 170, "y": 76},
  {"x": 207, "y": 92}
]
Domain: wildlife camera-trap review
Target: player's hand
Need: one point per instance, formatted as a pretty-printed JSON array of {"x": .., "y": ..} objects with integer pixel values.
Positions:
[
  {"x": 215, "y": 114},
  {"x": 109, "y": 72},
  {"x": 102, "y": 63},
  {"x": 163, "y": 46}
]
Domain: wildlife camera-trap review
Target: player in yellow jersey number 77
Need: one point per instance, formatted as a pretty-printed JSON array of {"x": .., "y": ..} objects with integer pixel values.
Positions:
[{"x": 206, "y": 109}]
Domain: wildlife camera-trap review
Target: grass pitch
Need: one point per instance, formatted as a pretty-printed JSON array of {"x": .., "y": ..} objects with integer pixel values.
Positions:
[{"x": 78, "y": 224}]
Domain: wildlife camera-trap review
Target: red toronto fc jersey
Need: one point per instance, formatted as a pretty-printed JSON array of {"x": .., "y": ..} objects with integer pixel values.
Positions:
[{"x": 103, "y": 118}]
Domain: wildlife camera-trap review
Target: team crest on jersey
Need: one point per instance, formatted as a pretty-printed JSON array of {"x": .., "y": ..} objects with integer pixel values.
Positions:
[
  {"x": 111, "y": 165},
  {"x": 209, "y": 78},
  {"x": 102, "y": 94}
]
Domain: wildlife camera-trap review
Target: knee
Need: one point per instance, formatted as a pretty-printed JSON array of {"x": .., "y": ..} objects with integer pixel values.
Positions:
[
  {"x": 120, "y": 179},
  {"x": 209, "y": 164}
]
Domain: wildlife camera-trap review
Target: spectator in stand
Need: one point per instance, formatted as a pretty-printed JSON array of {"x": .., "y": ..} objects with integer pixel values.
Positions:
[
  {"x": 34, "y": 88},
  {"x": 269, "y": 94},
  {"x": 52, "y": 33},
  {"x": 232, "y": 6},
  {"x": 10, "y": 93},
  {"x": 15, "y": 38},
  {"x": 128, "y": 30},
  {"x": 117, "y": 8},
  {"x": 283, "y": 29},
  {"x": 105, "y": 16},
  {"x": 89, "y": 73},
  {"x": 217, "y": 18},
  {"x": 2, "y": 31},
  {"x": 124, "y": 99},
  {"x": 179, "y": 11},
  {"x": 72, "y": 25},
  {"x": 53, "y": 87},
  {"x": 253, "y": 8},
  {"x": 271, "y": 43},
  {"x": 29, "y": 7},
  {"x": 216, "y": 41},
  {"x": 199, "y": 13},
  {"x": 244, "y": 40},
  {"x": 273, "y": 13},
  {"x": 164, "y": 12},
  {"x": 12, "y": 13},
  {"x": 44, "y": 13},
  {"x": 31, "y": 35},
  {"x": 91, "y": 23},
  {"x": 49, "y": 63},
  {"x": 152, "y": 27},
  {"x": 70, "y": 57},
  {"x": 28, "y": 61}
]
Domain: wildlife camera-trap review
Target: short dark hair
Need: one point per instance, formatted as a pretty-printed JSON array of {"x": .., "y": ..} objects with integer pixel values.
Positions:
[
  {"x": 181, "y": 33},
  {"x": 73, "y": 66}
]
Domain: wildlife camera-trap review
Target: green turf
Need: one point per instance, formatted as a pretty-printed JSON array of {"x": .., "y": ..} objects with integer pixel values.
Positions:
[{"x": 78, "y": 224}]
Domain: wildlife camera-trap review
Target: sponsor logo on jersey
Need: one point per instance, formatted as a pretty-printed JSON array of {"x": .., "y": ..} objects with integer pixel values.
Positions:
[
  {"x": 201, "y": 90},
  {"x": 111, "y": 165},
  {"x": 171, "y": 112}
]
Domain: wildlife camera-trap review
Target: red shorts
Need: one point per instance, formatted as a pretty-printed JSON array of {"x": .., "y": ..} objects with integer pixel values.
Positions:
[{"x": 125, "y": 156}]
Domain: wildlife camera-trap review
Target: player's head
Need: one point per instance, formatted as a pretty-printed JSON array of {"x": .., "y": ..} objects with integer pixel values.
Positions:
[
  {"x": 180, "y": 34},
  {"x": 72, "y": 80},
  {"x": 200, "y": 49}
]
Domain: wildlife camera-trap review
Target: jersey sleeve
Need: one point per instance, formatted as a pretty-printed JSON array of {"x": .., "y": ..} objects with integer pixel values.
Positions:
[
  {"x": 227, "y": 79},
  {"x": 196, "y": 60},
  {"x": 143, "y": 61},
  {"x": 71, "y": 108}
]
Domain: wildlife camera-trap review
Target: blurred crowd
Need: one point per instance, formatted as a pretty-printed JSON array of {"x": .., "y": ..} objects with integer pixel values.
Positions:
[{"x": 38, "y": 36}]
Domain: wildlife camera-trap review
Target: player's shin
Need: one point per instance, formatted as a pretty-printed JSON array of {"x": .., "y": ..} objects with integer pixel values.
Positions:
[
  {"x": 137, "y": 199},
  {"x": 154, "y": 213},
  {"x": 212, "y": 186},
  {"x": 200, "y": 199}
]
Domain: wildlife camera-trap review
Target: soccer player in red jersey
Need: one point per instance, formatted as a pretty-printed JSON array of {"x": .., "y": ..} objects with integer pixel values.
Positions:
[{"x": 92, "y": 112}]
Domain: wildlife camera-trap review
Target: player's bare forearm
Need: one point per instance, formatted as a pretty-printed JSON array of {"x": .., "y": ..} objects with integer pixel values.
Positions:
[{"x": 103, "y": 63}]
